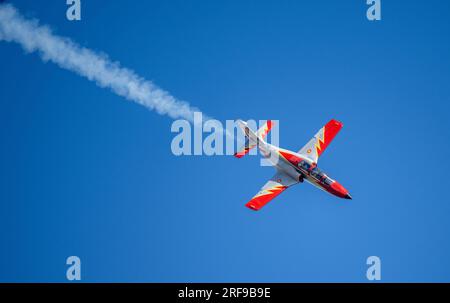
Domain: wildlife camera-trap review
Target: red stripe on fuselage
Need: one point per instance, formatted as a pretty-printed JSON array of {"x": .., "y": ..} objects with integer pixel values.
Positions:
[
  {"x": 291, "y": 158},
  {"x": 335, "y": 188}
]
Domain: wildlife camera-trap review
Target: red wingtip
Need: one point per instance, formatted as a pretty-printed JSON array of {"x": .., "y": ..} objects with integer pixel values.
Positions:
[
  {"x": 336, "y": 122},
  {"x": 252, "y": 206}
]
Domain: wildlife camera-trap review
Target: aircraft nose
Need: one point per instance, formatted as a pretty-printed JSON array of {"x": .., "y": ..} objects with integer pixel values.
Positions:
[{"x": 340, "y": 191}]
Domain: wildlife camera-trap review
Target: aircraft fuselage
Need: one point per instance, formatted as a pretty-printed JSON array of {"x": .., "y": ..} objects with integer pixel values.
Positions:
[{"x": 300, "y": 168}]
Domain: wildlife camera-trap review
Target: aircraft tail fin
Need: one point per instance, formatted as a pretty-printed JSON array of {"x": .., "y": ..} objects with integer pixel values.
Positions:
[
  {"x": 265, "y": 129},
  {"x": 252, "y": 138}
]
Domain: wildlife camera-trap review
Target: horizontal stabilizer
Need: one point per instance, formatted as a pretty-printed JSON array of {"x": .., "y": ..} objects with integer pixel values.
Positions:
[{"x": 252, "y": 138}]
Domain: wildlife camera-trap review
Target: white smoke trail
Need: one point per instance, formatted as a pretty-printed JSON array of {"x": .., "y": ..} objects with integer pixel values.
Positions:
[{"x": 96, "y": 67}]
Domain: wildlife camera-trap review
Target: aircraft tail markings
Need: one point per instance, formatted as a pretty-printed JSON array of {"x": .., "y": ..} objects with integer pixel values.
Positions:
[{"x": 252, "y": 138}]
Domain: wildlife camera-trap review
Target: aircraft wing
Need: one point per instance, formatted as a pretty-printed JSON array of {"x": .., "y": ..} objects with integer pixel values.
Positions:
[
  {"x": 317, "y": 145},
  {"x": 275, "y": 186}
]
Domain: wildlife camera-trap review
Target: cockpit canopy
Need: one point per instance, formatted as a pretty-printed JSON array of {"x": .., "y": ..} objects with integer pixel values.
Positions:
[
  {"x": 305, "y": 165},
  {"x": 315, "y": 172}
]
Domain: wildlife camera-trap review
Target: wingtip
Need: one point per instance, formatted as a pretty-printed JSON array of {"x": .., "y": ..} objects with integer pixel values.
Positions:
[
  {"x": 252, "y": 207},
  {"x": 336, "y": 122}
]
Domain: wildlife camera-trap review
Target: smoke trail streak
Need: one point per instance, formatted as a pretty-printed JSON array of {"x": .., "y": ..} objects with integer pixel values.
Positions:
[{"x": 96, "y": 67}]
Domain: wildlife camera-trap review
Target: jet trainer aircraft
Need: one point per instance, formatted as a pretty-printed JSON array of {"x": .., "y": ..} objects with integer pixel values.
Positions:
[{"x": 292, "y": 167}]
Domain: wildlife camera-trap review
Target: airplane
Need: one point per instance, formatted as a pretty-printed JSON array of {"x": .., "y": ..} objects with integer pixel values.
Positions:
[{"x": 292, "y": 167}]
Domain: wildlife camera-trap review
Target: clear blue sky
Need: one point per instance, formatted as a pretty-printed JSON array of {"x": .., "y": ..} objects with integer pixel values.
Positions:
[{"x": 85, "y": 173}]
